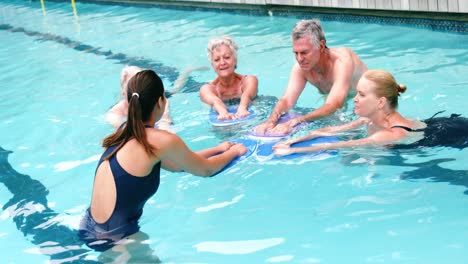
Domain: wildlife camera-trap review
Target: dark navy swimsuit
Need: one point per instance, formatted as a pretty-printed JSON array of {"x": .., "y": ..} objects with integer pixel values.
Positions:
[{"x": 132, "y": 194}]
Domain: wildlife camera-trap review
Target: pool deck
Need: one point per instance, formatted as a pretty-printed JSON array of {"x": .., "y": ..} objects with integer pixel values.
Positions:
[
  {"x": 444, "y": 15},
  {"x": 422, "y": 8}
]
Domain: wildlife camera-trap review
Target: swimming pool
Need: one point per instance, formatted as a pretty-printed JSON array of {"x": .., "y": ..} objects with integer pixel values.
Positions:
[{"x": 60, "y": 67}]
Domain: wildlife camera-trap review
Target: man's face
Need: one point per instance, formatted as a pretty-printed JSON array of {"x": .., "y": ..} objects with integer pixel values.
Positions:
[{"x": 306, "y": 54}]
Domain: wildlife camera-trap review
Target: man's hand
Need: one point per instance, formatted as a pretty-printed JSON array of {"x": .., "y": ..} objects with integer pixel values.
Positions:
[
  {"x": 282, "y": 129},
  {"x": 264, "y": 127}
]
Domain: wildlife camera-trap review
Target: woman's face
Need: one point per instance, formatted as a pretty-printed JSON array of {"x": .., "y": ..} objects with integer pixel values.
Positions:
[
  {"x": 365, "y": 102},
  {"x": 223, "y": 61}
]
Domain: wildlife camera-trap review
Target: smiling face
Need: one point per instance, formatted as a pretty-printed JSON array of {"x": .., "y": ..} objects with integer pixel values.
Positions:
[
  {"x": 223, "y": 61},
  {"x": 307, "y": 55},
  {"x": 366, "y": 101}
]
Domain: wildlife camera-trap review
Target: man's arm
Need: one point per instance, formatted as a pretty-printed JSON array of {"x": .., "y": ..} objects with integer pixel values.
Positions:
[
  {"x": 342, "y": 82},
  {"x": 296, "y": 85}
]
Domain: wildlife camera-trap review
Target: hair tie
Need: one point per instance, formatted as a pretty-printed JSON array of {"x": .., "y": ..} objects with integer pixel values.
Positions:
[{"x": 137, "y": 95}]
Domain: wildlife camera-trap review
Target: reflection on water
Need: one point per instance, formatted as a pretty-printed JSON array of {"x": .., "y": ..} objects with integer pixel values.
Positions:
[
  {"x": 42, "y": 226},
  {"x": 29, "y": 209},
  {"x": 163, "y": 71},
  {"x": 258, "y": 212},
  {"x": 430, "y": 169}
]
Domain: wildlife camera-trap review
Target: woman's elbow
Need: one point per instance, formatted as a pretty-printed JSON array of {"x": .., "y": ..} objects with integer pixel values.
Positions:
[
  {"x": 207, "y": 172},
  {"x": 113, "y": 119}
]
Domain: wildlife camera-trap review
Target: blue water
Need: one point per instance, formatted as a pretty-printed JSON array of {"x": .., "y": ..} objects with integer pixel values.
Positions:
[{"x": 60, "y": 68}]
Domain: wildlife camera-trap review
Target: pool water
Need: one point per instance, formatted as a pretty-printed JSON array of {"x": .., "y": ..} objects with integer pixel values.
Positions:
[{"x": 60, "y": 64}]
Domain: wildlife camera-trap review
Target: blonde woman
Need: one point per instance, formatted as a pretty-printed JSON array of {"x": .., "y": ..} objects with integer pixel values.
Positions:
[{"x": 376, "y": 103}]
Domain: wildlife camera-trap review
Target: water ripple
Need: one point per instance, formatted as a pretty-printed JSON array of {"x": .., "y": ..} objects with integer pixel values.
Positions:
[{"x": 238, "y": 247}]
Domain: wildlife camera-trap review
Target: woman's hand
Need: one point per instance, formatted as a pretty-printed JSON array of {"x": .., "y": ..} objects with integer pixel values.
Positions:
[
  {"x": 225, "y": 116},
  {"x": 283, "y": 151},
  {"x": 225, "y": 146},
  {"x": 239, "y": 148},
  {"x": 283, "y": 148},
  {"x": 241, "y": 113},
  {"x": 283, "y": 144}
]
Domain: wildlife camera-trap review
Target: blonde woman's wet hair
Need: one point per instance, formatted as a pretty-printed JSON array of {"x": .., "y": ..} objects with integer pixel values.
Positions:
[
  {"x": 385, "y": 86},
  {"x": 127, "y": 73},
  {"x": 311, "y": 29},
  {"x": 217, "y": 42}
]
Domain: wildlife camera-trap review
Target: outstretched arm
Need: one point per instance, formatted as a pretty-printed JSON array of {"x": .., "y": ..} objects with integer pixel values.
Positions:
[
  {"x": 183, "y": 77},
  {"x": 322, "y": 132},
  {"x": 249, "y": 92},
  {"x": 176, "y": 156},
  {"x": 342, "y": 82},
  {"x": 382, "y": 137},
  {"x": 296, "y": 85},
  {"x": 208, "y": 96}
]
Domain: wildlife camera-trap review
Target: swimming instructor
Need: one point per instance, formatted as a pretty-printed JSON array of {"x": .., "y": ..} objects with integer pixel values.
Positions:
[{"x": 128, "y": 172}]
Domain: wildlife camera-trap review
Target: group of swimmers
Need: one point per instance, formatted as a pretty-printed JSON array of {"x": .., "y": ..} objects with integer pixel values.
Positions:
[{"x": 128, "y": 172}]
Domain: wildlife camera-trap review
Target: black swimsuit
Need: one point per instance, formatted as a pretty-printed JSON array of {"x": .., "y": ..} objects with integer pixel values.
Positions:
[
  {"x": 410, "y": 129},
  {"x": 449, "y": 131}
]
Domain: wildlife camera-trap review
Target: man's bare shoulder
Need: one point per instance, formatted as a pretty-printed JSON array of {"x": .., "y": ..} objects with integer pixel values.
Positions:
[
  {"x": 342, "y": 54},
  {"x": 345, "y": 57}
]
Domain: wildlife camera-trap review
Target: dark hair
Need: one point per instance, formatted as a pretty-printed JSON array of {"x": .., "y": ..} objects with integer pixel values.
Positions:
[{"x": 143, "y": 92}]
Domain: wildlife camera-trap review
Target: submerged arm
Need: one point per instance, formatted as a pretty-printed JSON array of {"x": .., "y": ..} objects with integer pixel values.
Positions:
[
  {"x": 325, "y": 131},
  {"x": 382, "y": 137},
  {"x": 183, "y": 77}
]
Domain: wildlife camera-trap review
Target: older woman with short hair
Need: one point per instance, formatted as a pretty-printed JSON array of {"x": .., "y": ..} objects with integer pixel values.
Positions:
[{"x": 228, "y": 84}]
